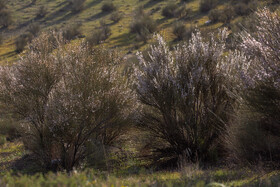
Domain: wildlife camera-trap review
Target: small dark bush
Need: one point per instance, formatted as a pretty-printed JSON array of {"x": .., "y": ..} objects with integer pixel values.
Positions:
[
  {"x": 181, "y": 31},
  {"x": 77, "y": 5},
  {"x": 34, "y": 29},
  {"x": 182, "y": 11},
  {"x": 5, "y": 18},
  {"x": 207, "y": 5},
  {"x": 22, "y": 41},
  {"x": 214, "y": 15},
  {"x": 143, "y": 25},
  {"x": 71, "y": 32},
  {"x": 225, "y": 15},
  {"x": 228, "y": 14},
  {"x": 116, "y": 16},
  {"x": 174, "y": 10},
  {"x": 241, "y": 9},
  {"x": 99, "y": 35},
  {"x": 42, "y": 12},
  {"x": 108, "y": 7},
  {"x": 169, "y": 10},
  {"x": 140, "y": 11}
]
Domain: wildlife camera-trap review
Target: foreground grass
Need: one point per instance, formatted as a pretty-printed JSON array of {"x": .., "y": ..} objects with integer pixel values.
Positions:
[
  {"x": 13, "y": 152},
  {"x": 195, "y": 177}
]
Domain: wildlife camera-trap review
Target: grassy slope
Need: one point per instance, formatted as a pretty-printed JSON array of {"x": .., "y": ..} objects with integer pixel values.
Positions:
[
  {"x": 59, "y": 15},
  {"x": 11, "y": 153}
]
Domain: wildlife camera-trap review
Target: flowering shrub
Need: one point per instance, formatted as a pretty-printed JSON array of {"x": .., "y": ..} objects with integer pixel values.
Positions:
[
  {"x": 256, "y": 133},
  {"x": 185, "y": 98},
  {"x": 66, "y": 98}
]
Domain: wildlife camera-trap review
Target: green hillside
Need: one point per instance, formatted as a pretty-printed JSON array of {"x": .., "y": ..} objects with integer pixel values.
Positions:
[{"x": 59, "y": 14}]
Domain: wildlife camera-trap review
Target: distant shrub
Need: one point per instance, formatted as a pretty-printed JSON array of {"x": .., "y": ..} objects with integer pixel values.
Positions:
[
  {"x": 228, "y": 14},
  {"x": 140, "y": 11},
  {"x": 99, "y": 35},
  {"x": 72, "y": 31},
  {"x": 182, "y": 11},
  {"x": 207, "y": 5},
  {"x": 116, "y": 16},
  {"x": 225, "y": 15},
  {"x": 181, "y": 31},
  {"x": 143, "y": 26},
  {"x": 22, "y": 41},
  {"x": 255, "y": 134},
  {"x": 34, "y": 29},
  {"x": 42, "y": 12},
  {"x": 108, "y": 7},
  {"x": 214, "y": 15},
  {"x": 5, "y": 18},
  {"x": 169, "y": 10},
  {"x": 241, "y": 9},
  {"x": 185, "y": 100},
  {"x": 66, "y": 98},
  {"x": 173, "y": 10},
  {"x": 77, "y": 5}
]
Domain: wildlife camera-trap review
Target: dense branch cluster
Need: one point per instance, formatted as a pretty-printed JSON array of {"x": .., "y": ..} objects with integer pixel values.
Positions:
[{"x": 66, "y": 97}]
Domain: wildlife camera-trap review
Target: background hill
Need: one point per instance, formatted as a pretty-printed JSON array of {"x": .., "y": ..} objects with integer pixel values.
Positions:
[{"x": 84, "y": 17}]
